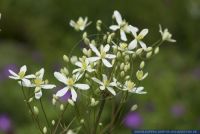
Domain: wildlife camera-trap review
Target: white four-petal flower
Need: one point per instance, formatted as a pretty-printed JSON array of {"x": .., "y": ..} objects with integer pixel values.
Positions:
[
  {"x": 21, "y": 75},
  {"x": 138, "y": 38},
  {"x": 70, "y": 85},
  {"x": 122, "y": 25},
  {"x": 106, "y": 84},
  {"x": 102, "y": 55},
  {"x": 81, "y": 24},
  {"x": 39, "y": 84},
  {"x": 166, "y": 35}
]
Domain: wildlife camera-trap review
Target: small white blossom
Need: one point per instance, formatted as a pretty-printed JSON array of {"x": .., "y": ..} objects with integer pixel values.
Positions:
[
  {"x": 166, "y": 35},
  {"x": 81, "y": 23},
  {"x": 138, "y": 38},
  {"x": 93, "y": 102},
  {"x": 70, "y": 85},
  {"x": 21, "y": 75},
  {"x": 122, "y": 25},
  {"x": 83, "y": 65},
  {"x": 123, "y": 47},
  {"x": 140, "y": 75},
  {"x": 106, "y": 84},
  {"x": 130, "y": 87},
  {"x": 40, "y": 84},
  {"x": 102, "y": 55}
]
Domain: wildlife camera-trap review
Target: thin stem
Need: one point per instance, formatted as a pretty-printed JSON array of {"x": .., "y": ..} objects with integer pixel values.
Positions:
[
  {"x": 29, "y": 107},
  {"x": 45, "y": 115}
]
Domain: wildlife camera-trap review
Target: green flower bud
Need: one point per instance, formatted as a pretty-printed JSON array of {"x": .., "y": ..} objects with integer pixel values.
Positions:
[
  {"x": 122, "y": 66},
  {"x": 118, "y": 55},
  {"x": 156, "y": 51},
  {"x": 98, "y": 25},
  {"x": 44, "y": 130},
  {"x": 82, "y": 121},
  {"x": 139, "y": 51},
  {"x": 35, "y": 110},
  {"x": 84, "y": 35},
  {"x": 30, "y": 100},
  {"x": 134, "y": 55},
  {"x": 53, "y": 122},
  {"x": 149, "y": 49},
  {"x": 122, "y": 73},
  {"x": 65, "y": 58},
  {"x": 134, "y": 107},
  {"x": 142, "y": 64},
  {"x": 86, "y": 41},
  {"x": 127, "y": 58},
  {"x": 61, "y": 107},
  {"x": 74, "y": 59},
  {"x": 149, "y": 54}
]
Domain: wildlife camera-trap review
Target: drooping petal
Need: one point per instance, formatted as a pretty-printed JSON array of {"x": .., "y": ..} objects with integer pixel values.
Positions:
[
  {"x": 111, "y": 90},
  {"x": 62, "y": 92},
  {"x": 106, "y": 63},
  {"x": 93, "y": 59},
  {"x": 12, "y": 73},
  {"x": 82, "y": 86},
  {"x": 132, "y": 45},
  {"x": 95, "y": 50},
  {"x": 74, "y": 94},
  {"x": 60, "y": 77},
  {"x": 48, "y": 86},
  {"x": 78, "y": 63},
  {"x": 106, "y": 48},
  {"x": 118, "y": 17},
  {"x": 143, "y": 45},
  {"x": 23, "y": 69},
  {"x": 144, "y": 32},
  {"x": 114, "y": 27},
  {"x": 110, "y": 56},
  {"x": 133, "y": 30},
  {"x": 123, "y": 35},
  {"x": 97, "y": 81},
  {"x": 38, "y": 95}
]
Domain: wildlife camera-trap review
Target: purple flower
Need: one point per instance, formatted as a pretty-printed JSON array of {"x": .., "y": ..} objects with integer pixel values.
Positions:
[
  {"x": 5, "y": 123},
  {"x": 177, "y": 110},
  {"x": 133, "y": 120},
  {"x": 66, "y": 96}
]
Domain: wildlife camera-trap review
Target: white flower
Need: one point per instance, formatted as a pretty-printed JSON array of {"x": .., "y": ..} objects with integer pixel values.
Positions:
[
  {"x": 39, "y": 84},
  {"x": 123, "y": 47},
  {"x": 140, "y": 75},
  {"x": 22, "y": 76},
  {"x": 83, "y": 65},
  {"x": 128, "y": 86},
  {"x": 81, "y": 23},
  {"x": 93, "y": 102},
  {"x": 102, "y": 55},
  {"x": 138, "y": 38},
  {"x": 106, "y": 84},
  {"x": 166, "y": 35},
  {"x": 70, "y": 85},
  {"x": 71, "y": 132},
  {"x": 122, "y": 25}
]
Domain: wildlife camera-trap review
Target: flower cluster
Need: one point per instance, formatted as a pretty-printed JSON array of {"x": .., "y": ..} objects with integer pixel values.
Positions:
[{"x": 112, "y": 65}]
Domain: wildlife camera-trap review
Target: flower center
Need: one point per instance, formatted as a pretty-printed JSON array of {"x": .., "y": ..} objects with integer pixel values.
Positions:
[
  {"x": 84, "y": 66},
  {"x": 70, "y": 82},
  {"x": 106, "y": 83},
  {"x": 139, "y": 37},
  {"x": 103, "y": 54},
  {"x": 130, "y": 85},
  {"x": 21, "y": 74},
  {"x": 38, "y": 82}
]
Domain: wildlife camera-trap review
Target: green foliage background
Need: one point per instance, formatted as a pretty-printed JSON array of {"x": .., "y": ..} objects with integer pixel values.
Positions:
[{"x": 37, "y": 33}]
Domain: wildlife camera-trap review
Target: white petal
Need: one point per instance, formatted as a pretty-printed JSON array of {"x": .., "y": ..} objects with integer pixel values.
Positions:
[
  {"x": 82, "y": 86},
  {"x": 13, "y": 77},
  {"x": 78, "y": 63},
  {"x": 13, "y": 73},
  {"x": 110, "y": 56},
  {"x": 74, "y": 94},
  {"x": 114, "y": 84},
  {"x": 60, "y": 77},
  {"x": 72, "y": 23},
  {"x": 41, "y": 73},
  {"x": 111, "y": 90},
  {"x": 145, "y": 75},
  {"x": 62, "y": 92},
  {"x": 93, "y": 59},
  {"x": 106, "y": 48},
  {"x": 94, "y": 49},
  {"x": 30, "y": 76},
  {"x": 106, "y": 63},
  {"x": 139, "y": 90},
  {"x": 133, "y": 30},
  {"x": 48, "y": 86},
  {"x": 26, "y": 82},
  {"x": 144, "y": 32},
  {"x": 102, "y": 87},
  {"x": 97, "y": 81},
  {"x": 105, "y": 78},
  {"x": 79, "y": 75},
  {"x": 123, "y": 35},
  {"x": 38, "y": 95},
  {"x": 143, "y": 45},
  {"x": 23, "y": 69},
  {"x": 132, "y": 44},
  {"x": 76, "y": 70},
  {"x": 114, "y": 27},
  {"x": 118, "y": 17}
]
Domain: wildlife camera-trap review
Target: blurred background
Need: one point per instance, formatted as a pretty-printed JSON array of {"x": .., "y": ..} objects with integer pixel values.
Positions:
[{"x": 37, "y": 33}]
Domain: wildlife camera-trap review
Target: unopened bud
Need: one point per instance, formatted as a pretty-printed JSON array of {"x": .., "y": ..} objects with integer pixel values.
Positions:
[
  {"x": 53, "y": 122},
  {"x": 118, "y": 55},
  {"x": 122, "y": 66},
  {"x": 30, "y": 99},
  {"x": 127, "y": 58},
  {"x": 35, "y": 110},
  {"x": 139, "y": 51},
  {"x": 134, "y": 107},
  {"x": 74, "y": 59},
  {"x": 84, "y": 35},
  {"x": 156, "y": 51},
  {"x": 44, "y": 130},
  {"x": 65, "y": 58},
  {"x": 142, "y": 64},
  {"x": 122, "y": 73},
  {"x": 149, "y": 54},
  {"x": 98, "y": 25},
  {"x": 71, "y": 102},
  {"x": 86, "y": 41},
  {"x": 61, "y": 107}
]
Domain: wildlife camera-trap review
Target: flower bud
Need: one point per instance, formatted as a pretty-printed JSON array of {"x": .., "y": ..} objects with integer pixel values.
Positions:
[
  {"x": 139, "y": 51},
  {"x": 30, "y": 100},
  {"x": 149, "y": 49},
  {"x": 134, "y": 55},
  {"x": 74, "y": 59},
  {"x": 53, "y": 122},
  {"x": 65, "y": 58},
  {"x": 142, "y": 64},
  {"x": 122, "y": 66},
  {"x": 84, "y": 35},
  {"x": 71, "y": 102},
  {"x": 118, "y": 55},
  {"x": 86, "y": 41},
  {"x": 82, "y": 121},
  {"x": 134, "y": 107},
  {"x": 44, "y": 130},
  {"x": 98, "y": 25},
  {"x": 122, "y": 73},
  {"x": 156, "y": 51},
  {"x": 54, "y": 101},
  {"x": 61, "y": 107},
  {"x": 105, "y": 37},
  {"x": 100, "y": 124},
  {"x": 35, "y": 110},
  {"x": 127, "y": 58},
  {"x": 127, "y": 77},
  {"x": 149, "y": 54}
]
